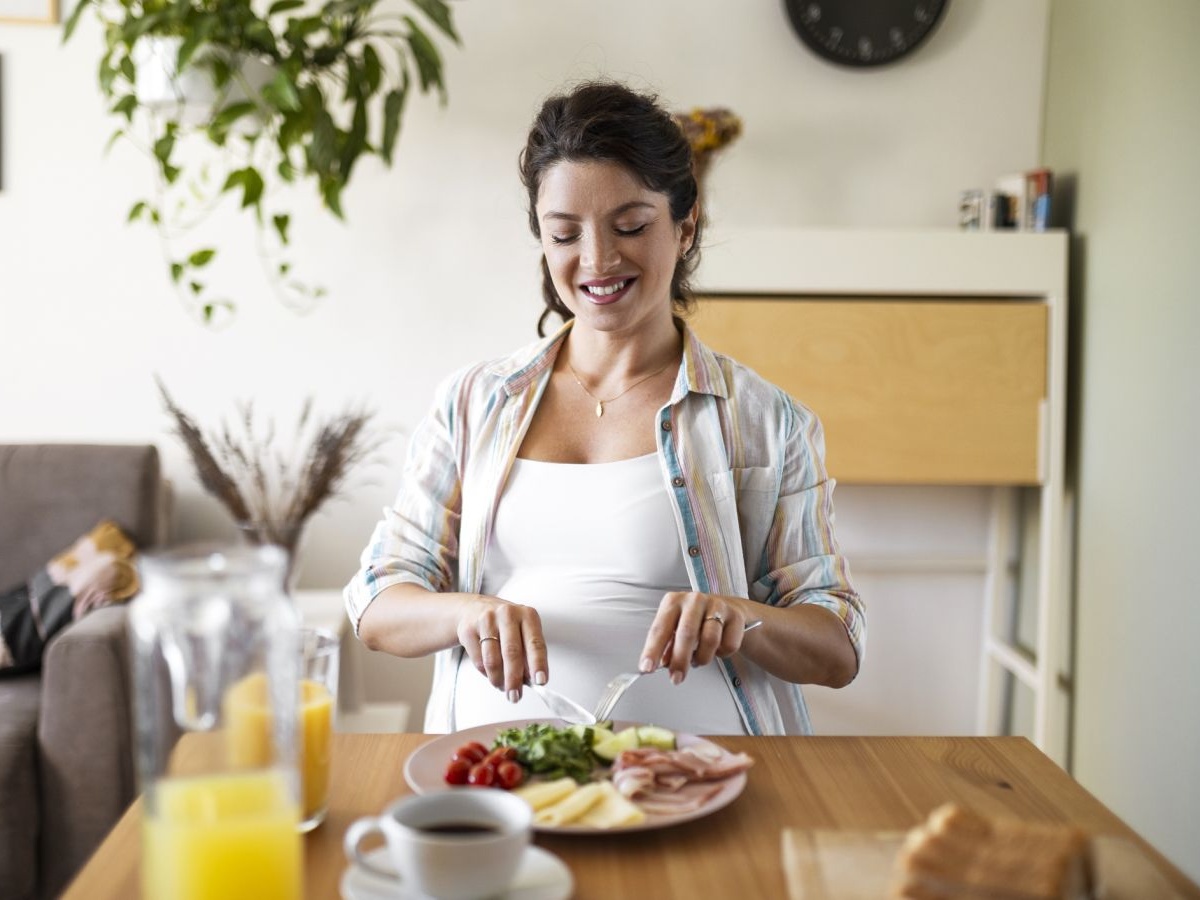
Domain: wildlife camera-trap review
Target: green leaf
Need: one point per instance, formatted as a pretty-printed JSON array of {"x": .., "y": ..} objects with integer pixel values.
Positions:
[
  {"x": 249, "y": 180},
  {"x": 372, "y": 70},
  {"x": 176, "y": 271},
  {"x": 196, "y": 287},
  {"x": 331, "y": 192},
  {"x": 438, "y": 13},
  {"x": 201, "y": 258},
  {"x": 106, "y": 75},
  {"x": 187, "y": 49},
  {"x": 136, "y": 211},
  {"x": 393, "y": 106},
  {"x": 163, "y": 147},
  {"x": 281, "y": 223},
  {"x": 113, "y": 138},
  {"x": 73, "y": 19},
  {"x": 429, "y": 61},
  {"x": 230, "y": 114},
  {"x": 171, "y": 173},
  {"x": 284, "y": 268},
  {"x": 128, "y": 70},
  {"x": 324, "y": 138},
  {"x": 125, "y": 107},
  {"x": 281, "y": 93},
  {"x": 282, "y": 6}
]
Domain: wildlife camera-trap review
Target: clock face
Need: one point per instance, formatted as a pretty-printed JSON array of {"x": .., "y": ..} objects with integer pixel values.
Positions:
[{"x": 864, "y": 32}]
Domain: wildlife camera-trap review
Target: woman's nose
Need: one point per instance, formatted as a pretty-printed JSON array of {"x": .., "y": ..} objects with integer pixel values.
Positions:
[{"x": 600, "y": 254}]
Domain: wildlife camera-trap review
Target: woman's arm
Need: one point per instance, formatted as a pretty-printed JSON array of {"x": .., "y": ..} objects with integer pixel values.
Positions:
[{"x": 504, "y": 640}]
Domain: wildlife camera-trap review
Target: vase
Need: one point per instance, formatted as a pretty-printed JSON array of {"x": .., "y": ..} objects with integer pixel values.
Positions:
[
  {"x": 160, "y": 85},
  {"x": 288, "y": 536}
]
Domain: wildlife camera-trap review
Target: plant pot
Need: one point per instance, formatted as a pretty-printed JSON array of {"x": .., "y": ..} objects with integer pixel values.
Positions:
[{"x": 160, "y": 86}]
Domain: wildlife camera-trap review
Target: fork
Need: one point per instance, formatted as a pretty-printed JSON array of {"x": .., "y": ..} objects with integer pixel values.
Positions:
[{"x": 616, "y": 688}]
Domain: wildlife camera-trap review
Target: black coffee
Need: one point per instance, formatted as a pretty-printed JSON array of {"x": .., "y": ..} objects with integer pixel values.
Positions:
[{"x": 476, "y": 828}]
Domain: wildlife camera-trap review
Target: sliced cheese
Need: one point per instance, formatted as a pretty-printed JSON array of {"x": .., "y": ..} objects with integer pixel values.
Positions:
[
  {"x": 568, "y": 810},
  {"x": 540, "y": 794},
  {"x": 612, "y": 810}
]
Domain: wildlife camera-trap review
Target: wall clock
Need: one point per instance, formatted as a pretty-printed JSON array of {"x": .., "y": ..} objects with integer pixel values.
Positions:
[{"x": 864, "y": 32}]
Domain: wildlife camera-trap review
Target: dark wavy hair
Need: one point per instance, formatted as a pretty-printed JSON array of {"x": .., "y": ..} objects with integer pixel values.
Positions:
[{"x": 607, "y": 121}]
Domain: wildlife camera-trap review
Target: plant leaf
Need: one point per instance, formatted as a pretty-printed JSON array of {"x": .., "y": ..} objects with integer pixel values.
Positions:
[
  {"x": 125, "y": 107},
  {"x": 281, "y": 223},
  {"x": 393, "y": 106},
  {"x": 281, "y": 93},
  {"x": 73, "y": 19},
  {"x": 201, "y": 258},
  {"x": 136, "y": 211},
  {"x": 429, "y": 61},
  {"x": 372, "y": 70},
  {"x": 282, "y": 6},
  {"x": 438, "y": 13},
  {"x": 176, "y": 271}
]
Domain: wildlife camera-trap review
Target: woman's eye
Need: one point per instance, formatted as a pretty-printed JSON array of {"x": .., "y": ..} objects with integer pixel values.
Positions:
[
  {"x": 630, "y": 232},
  {"x": 562, "y": 238}
]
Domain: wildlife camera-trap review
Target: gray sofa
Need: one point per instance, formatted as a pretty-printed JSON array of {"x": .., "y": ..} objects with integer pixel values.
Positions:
[{"x": 66, "y": 759}]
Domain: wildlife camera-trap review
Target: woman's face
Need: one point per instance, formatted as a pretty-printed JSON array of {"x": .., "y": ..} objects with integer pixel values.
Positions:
[{"x": 610, "y": 244}]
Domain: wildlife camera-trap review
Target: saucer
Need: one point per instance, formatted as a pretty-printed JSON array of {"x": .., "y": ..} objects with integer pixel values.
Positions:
[{"x": 540, "y": 876}]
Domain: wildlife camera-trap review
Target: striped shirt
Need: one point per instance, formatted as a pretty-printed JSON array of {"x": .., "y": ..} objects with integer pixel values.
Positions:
[{"x": 742, "y": 461}]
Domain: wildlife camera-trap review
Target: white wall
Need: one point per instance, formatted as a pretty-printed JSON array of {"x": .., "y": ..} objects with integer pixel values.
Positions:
[
  {"x": 436, "y": 268},
  {"x": 1122, "y": 118}
]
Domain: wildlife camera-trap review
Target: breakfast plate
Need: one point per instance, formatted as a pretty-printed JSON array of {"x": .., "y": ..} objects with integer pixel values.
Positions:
[{"x": 426, "y": 766}]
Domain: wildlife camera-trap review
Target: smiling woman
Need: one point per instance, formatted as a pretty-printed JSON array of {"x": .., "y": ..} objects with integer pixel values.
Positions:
[{"x": 615, "y": 473}]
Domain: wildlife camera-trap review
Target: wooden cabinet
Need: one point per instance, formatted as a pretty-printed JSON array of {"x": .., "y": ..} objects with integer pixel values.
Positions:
[
  {"x": 932, "y": 358},
  {"x": 910, "y": 391}
]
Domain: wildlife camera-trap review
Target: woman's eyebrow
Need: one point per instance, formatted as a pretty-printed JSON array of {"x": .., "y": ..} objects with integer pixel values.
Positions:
[{"x": 623, "y": 208}]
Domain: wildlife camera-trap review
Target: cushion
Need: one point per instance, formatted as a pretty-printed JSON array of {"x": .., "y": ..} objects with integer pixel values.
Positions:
[{"x": 96, "y": 570}]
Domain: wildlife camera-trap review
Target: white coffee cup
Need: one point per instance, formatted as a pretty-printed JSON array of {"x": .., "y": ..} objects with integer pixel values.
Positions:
[{"x": 461, "y": 844}]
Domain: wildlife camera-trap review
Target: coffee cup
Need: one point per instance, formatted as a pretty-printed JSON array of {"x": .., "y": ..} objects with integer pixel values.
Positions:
[{"x": 461, "y": 844}]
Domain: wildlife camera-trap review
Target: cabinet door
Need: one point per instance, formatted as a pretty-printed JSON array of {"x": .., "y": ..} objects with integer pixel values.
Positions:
[{"x": 910, "y": 391}]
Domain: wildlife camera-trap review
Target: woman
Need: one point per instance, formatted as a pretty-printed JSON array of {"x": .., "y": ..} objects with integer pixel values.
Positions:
[{"x": 616, "y": 495}]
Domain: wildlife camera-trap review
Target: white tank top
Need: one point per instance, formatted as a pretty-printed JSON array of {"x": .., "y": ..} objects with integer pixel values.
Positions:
[{"x": 592, "y": 548}]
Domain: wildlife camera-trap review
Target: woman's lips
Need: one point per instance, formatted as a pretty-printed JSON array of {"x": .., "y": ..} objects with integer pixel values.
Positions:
[{"x": 608, "y": 290}]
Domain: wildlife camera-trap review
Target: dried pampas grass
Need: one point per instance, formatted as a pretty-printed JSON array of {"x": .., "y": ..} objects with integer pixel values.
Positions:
[{"x": 269, "y": 491}]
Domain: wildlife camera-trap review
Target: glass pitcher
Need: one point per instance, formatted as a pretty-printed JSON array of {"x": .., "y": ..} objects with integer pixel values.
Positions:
[{"x": 216, "y": 664}]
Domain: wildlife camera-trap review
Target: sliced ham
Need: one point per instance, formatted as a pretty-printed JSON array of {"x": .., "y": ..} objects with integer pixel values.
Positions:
[{"x": 675, "y": 782}]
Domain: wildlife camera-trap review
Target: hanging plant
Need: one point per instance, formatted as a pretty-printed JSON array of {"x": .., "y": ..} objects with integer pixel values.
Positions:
[{"x": 295, "y": 93}]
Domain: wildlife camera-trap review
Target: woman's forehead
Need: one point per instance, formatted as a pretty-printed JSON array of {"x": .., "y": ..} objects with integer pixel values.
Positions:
[{"x": 595, "y": 185}]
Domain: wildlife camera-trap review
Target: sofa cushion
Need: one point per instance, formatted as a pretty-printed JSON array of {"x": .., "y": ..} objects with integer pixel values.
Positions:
[
  {"x": 96, "y": 570},
  {"x": 21, "y": 819}
]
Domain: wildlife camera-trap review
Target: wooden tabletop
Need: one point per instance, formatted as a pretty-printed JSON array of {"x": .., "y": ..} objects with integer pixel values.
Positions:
[{"x": 851, "y": 783}]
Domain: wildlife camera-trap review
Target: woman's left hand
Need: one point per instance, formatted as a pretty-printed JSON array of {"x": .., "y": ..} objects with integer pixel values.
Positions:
[{"x": 691, "y": 629}]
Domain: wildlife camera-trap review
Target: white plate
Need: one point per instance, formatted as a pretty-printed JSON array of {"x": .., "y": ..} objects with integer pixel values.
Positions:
[
  {"x": 426, "y": 766},
  {"x": 540, "y": 876}
]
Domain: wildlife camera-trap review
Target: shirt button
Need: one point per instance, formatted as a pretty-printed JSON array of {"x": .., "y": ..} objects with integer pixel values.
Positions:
[
  {"x": 693, "y": 550},
  {"x": 677, "y": 481},
  {"x": 666, "y": 425},
  {"x": 737, "y": 682}
]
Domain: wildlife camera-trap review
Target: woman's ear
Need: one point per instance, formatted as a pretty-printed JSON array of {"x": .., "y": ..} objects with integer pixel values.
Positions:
[{"x": 687, "y": 230}]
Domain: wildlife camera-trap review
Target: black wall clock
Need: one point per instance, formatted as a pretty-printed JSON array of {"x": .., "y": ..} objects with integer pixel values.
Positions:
[{"x": 864, "y": 32}]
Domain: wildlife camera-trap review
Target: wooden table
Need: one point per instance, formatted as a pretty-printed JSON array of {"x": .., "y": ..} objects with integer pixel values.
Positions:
[{"x": 852, "y": 783}]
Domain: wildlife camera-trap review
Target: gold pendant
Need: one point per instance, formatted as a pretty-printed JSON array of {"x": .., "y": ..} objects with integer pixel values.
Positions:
[{"x": 599, "y": 409}]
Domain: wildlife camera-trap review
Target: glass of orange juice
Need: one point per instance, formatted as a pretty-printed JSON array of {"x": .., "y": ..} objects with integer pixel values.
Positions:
[{"x": 318, "y": 702}]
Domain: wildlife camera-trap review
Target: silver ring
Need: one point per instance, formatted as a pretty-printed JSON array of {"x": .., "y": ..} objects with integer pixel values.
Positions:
[
  {"x": 715, "y": 617},
  {"x": 491, "y": 637}
]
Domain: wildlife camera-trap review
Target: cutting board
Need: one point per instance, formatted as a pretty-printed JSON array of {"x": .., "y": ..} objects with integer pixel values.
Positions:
[{"x": 857, "y": 865}]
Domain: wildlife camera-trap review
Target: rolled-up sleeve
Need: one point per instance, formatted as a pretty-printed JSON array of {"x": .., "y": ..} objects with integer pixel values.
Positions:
[{"x": 804, "y": 561}]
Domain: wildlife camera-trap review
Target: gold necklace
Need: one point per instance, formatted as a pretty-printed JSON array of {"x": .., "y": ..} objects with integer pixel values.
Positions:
[{"x": 600, "y": 403}]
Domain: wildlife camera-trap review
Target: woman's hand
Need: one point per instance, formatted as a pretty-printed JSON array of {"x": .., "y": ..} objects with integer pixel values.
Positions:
[
  {"x": 691, "y": 629},
  {"x": 505, "y": 643}
]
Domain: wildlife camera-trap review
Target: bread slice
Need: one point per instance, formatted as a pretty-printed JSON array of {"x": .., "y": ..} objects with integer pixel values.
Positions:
[{"x": 958, "y": 853}]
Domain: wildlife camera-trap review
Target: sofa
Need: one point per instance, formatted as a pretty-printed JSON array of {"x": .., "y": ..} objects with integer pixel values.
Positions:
[{"x": 66, "y": 752}]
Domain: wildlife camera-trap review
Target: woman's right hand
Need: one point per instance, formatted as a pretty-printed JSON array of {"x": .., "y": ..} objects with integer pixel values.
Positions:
[{"x": 505, "y": 643}]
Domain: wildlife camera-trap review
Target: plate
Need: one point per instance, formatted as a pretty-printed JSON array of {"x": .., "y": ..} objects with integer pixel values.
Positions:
[
  {"x": 540, "y": 876},
  {"x": 426, "y": 765}
]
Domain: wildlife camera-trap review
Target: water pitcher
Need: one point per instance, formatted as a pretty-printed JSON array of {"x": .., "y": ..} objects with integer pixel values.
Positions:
[{"x": 216, "y": 661}]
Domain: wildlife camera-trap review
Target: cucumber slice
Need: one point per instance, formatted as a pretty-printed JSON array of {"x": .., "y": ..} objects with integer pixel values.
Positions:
[
  {"x": 626, "y": 739},
  {"x": 653, "y": 736}
]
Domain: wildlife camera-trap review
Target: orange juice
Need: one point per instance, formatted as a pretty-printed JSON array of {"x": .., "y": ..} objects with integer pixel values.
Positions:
[
  {"x": 248, "y": 734},
  {"x": 222, "y": 837}
]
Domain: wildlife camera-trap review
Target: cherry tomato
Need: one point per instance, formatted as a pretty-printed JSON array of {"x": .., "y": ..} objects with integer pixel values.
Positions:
[
  {"x": 510, "y": 774},
  {"x": 500, "y": 754},
  {"x": 482, "y": 775},
  {"x": 457, "y": 771},
  {"x": 473, "y": 752}
]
